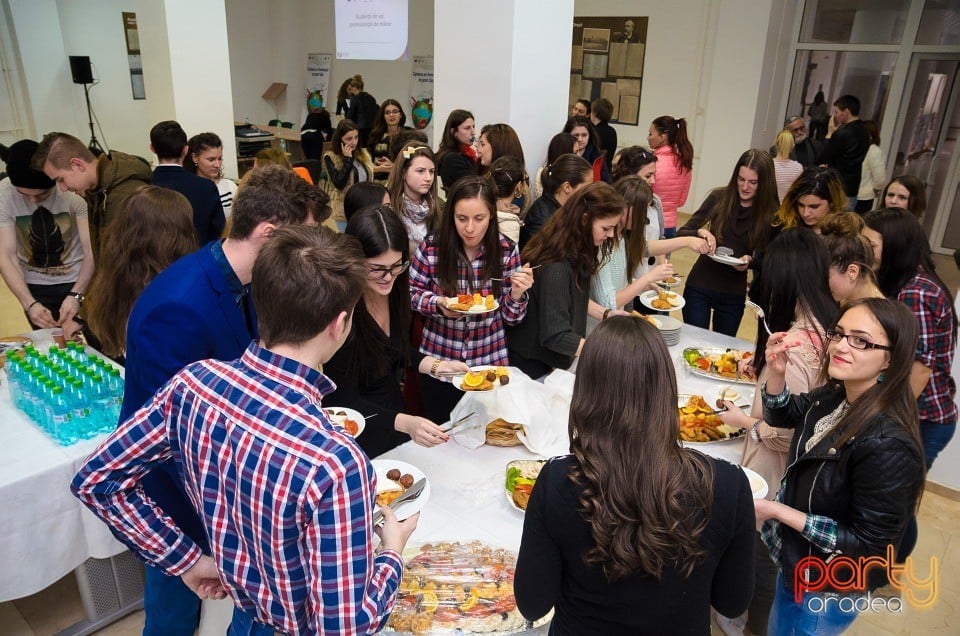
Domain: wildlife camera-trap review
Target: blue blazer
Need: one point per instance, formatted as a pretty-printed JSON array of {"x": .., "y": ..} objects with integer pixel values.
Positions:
[
  {"x": 203, "y": 196},
  {"x": 187, "y": 313}
]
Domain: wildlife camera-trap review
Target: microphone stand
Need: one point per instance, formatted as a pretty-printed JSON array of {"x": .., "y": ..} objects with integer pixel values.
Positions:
[{"x": 94, "y": 145}]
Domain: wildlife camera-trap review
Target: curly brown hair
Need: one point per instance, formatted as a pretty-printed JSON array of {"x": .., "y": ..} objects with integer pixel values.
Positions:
[{"x": 153, "y": 229}]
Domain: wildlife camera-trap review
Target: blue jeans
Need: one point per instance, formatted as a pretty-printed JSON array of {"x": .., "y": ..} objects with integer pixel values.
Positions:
[
  {"x": 669, "y": 232},
  {"x": 170, "y": 607},
  {"x": 788, "y": 618},
  {"x": 244, "y": 624},
  {"x": 935, "y": 438},
  {"x": 727, "y": 310}
]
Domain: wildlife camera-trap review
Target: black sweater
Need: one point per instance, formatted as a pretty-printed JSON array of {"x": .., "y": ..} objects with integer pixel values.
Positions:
[
  {"x": 551, "y": 573},
  {"x": 706, "y": 272}
]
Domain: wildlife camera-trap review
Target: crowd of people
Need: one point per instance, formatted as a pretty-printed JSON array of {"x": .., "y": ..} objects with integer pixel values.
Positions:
[{"x": 227, "y": 477}]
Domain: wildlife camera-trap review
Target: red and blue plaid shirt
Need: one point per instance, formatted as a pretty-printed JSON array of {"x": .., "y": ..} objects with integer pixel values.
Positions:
[
  {"x": 474, "y": 339},
  {"x": 286, "y": 496},
  {"x": 937, "y": 345}
]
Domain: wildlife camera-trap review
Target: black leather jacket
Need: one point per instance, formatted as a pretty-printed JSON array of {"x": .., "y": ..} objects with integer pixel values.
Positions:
[{"x": 869, "y": 486}]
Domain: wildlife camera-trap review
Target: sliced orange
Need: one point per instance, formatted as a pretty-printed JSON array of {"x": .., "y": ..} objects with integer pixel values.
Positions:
[{"x": 473, "y": 379}]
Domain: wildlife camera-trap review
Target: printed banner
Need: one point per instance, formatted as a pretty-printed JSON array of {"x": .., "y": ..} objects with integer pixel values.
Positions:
[
  {"x": 421, "y": 95},
  {"x": 317, "y": 86}
]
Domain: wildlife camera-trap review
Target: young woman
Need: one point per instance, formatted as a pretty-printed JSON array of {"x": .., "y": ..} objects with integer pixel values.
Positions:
[
  {"x": 632, "y": 533},
  {"x": 906, "y": 272},
  {"x": 509, "y": 180},
  {"x": 816, "y": 194},
  {"x": 369, "y": 366},
  {"x": 623, "y": 275},
  {"x": 560, "y": 144},
  {"x": 637, "y": 160},
  {"x": 205, "y": 158},
  {"x": 562, "y": 178},
  {"x": 874, "y": 170},
  {"x": 668, "y": 138},
  {"x": 465, "y": 255},
  {"x": 795, "y": 296},
  {"x": 569, "y": 251},
  {"x": 588, "y": 146},
  {"x": 456, "y": 156},
  {"x": 366, "y": 194},
  {"x": 855, "y": 467},
  {"x": 851, "y": 258},
  {"x": 498, "y": 140},
  {"x": 736, "y": 217},
  {"x": 413, "y": 192},
  {"x": 345, "y": 163},
  {"x": 316, "y": 129},
  {"x": 908, "y": 192},
  {"x": 363, "y": 109},
  {"x": 343, "y": 98},
  {"x": 580, "y": 108},
  {"x": 786, "y": 169},
  {"x": 390, "y": 121},
  {"x": 154, "y": 228}
]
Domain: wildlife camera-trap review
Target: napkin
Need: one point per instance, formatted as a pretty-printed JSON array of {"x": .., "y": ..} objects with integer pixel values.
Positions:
[{"x": 522, "y": 401}]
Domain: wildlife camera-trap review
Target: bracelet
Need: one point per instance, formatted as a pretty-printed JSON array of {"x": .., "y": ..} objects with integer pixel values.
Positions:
[
  {"x": 434, "y": 367},
  {"x": 30, "y": 306},
  {"x": 606, "y": 312},
  {"x": 755, "y": 431}
]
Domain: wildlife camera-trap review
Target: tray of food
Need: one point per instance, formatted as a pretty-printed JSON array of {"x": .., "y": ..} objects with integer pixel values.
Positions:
[
  {"x": 700, "y": 424},
  {"x": 457, "y": 588},
  {"x": 521, "y": 476},
  {"x": 718, "y": 363},
  {"x": 473, "y": 303},
  {"x": 348, "y": 419},
  {"x": 484, "y": 378},
  {"x": 662, "y": 300}
]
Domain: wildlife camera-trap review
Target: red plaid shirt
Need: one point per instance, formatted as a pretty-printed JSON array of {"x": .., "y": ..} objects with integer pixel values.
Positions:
[
  {"x": 475, "y": 340},
  {"x": 935, "y": 350}
]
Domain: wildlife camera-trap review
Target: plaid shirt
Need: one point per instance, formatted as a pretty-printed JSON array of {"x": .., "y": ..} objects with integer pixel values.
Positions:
[
  {"x": 286, "y": 497},
  {"x": 818, "y": 530},
  {"x": 935, "y": 350},
  {"x": 475, "y": 340}
]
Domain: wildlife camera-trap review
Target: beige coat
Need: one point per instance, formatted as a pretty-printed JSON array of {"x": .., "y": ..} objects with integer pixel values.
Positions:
[{"x": 336, "y": 194}]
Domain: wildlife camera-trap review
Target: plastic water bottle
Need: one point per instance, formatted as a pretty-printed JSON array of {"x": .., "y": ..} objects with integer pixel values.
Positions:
[{"x": 60, "y": 419}]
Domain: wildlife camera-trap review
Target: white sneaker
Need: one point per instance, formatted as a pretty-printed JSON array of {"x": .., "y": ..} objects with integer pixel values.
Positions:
[{"x": 731, "y": 626}]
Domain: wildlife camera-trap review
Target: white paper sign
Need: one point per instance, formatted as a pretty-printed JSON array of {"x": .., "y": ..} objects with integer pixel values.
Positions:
[{"x": 371, "y": 29}]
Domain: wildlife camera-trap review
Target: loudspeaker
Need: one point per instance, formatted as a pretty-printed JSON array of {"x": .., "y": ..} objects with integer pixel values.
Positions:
[{"x": 80, "y": 69}]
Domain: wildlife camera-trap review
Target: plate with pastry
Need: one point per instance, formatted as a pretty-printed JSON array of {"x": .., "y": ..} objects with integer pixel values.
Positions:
[
  {"x": 662, "y": 300},
  {"x": 700, "y": 424},
  {"x": 472, "y": 304},
  {"x": 393, "y": 478},
  {"x": 483, "y": 378}
]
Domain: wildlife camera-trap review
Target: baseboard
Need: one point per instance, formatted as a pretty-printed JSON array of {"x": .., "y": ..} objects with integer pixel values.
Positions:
[{"x": 943, "y": 490}]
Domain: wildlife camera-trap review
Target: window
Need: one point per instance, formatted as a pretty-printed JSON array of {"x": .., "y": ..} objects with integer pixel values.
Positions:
[{"x": 854, "y": 21}]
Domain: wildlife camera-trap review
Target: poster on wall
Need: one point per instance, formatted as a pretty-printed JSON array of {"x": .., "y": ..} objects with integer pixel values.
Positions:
[
  {"x": 317, "y": 84},
  {"x": 421, "y": 95},
  {"x": 607, "y": 61},
  {"x": 132, "y": 38},
  {"x": 371, "y": 29}
]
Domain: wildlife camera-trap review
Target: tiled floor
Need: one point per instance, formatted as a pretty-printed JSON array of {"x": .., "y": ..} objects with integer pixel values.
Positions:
[{"x": 59, "y": 606}]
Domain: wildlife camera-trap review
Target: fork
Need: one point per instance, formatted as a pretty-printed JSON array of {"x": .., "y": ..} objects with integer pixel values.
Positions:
[
  {"x": 504, "y": 279},
  {"x": 758, "y": 310}
]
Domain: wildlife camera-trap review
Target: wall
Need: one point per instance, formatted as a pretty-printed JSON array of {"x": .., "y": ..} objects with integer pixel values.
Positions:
[
  {"x": 703, "y": 62},
  {"x": 258, "y": 60}
]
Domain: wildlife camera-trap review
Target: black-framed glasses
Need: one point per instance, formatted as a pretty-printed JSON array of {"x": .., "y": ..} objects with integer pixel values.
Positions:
[
  {"x": 392, "y": 112},
  {"x": 855, "y": 342},
  {"x": 379, "y": 273}
]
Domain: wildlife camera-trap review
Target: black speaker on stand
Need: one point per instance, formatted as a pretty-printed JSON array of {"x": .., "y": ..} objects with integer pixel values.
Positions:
[{"x": 82, "y": 73}]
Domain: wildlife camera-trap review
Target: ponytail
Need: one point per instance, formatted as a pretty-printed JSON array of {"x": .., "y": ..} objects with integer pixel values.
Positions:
[
  {"x": 571, "y": 169},
  {"x": 676, "y": 132}
]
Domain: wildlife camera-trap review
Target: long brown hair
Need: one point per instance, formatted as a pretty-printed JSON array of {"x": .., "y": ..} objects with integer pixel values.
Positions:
[
  {"x": 638, "y": 196},
  {"x": 823, "y": 183},
  {"x": 646, "y": 498},
  {"x": 153, "y": 229},
  {"x": 401, "y": 163},
  {"x": 567, "y": 236},
  {"x": 450, "y": 253},
  {"x": 765, "y": 202}
]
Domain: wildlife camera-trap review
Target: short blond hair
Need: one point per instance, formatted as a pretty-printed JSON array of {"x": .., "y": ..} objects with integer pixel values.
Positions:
[{"x": 57, "y": 149}]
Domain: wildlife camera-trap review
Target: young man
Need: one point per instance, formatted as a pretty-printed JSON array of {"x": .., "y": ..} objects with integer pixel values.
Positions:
[
  {"x": 169, "y": 142},
  {"x": 200, "y": 308},
  {"x": 601, "y": 110},
  {"x": 847, "y": 147},
  {"x": 45, "y": 254},
  {"x": 105, "y": 181},
  {"x": 285, "y": 496}
]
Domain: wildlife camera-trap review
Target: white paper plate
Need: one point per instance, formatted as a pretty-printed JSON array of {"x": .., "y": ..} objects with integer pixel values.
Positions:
[
  {"x": 409, "y": 508},
  {"x": 351, "y": 415},
  {"x": 648, "y": 297},
  {"x": 726, "y": 260},
  {"x": 453, "y": 301},
  {"x": 677, "y": 283},
  {"x": 457, "y": 380},
  {"x": 758, "y": 485}
]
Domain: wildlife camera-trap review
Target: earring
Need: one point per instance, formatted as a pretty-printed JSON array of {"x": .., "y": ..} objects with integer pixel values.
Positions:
[{"x": 881, "y": 377}]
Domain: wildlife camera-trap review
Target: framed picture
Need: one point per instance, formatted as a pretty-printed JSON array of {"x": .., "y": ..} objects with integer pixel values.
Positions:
[
  {"x": 596, "y": 40},
  {"x": 607, "y": 61}
]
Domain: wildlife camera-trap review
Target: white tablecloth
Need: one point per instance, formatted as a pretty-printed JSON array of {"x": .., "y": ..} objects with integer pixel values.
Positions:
[{"x": 44, "y": 531}]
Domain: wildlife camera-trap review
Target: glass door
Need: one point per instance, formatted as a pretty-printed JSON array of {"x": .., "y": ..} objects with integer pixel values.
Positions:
[{"x": 930, "y": 126}]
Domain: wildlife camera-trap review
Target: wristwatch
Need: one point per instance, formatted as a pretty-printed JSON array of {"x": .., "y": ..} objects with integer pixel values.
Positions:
[
  {"x": 755, "y": 431},
  {"x": 77, "y": 295}
]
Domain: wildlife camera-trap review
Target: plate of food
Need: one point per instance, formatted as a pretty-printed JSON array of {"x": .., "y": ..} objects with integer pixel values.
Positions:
[
  {"x": 671, "y": 281},
  {"x": 718, "y": 363},
  {"x": 758, "y": 485},
  {"x": 348, "y": 419},
  {"x": 699, "y": 423},
  {"x": 726, "y": 259},
  {"x": 457, "y": 588},
  {"x": 393, "y": 478},
  {"x": 662, "y": 300},
  {"x": 473, "y": 303},
  {"x": 521, "y": 475},
  {"x": 483, "y": 378}
]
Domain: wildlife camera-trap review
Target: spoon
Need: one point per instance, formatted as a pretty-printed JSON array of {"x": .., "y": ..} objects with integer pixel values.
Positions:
[{"x": 758, "y": 310}]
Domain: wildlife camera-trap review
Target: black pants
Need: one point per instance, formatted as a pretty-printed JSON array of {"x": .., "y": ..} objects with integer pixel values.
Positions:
[
  {"x": 51, "y": 297},
  {"x": 765, "y": 586},
  {"x": 439, "y": 398}
]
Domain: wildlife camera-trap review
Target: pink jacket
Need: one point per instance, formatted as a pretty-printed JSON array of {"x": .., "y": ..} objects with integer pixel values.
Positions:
[{"x": 672, "y": 184}]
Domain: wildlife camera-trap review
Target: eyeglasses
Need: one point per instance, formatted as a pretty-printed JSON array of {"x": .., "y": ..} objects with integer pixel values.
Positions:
[
  {"x": 380, "y": 273},
  {"x": 391, "y": 112},
  {"x": 855, "y": 342}
]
